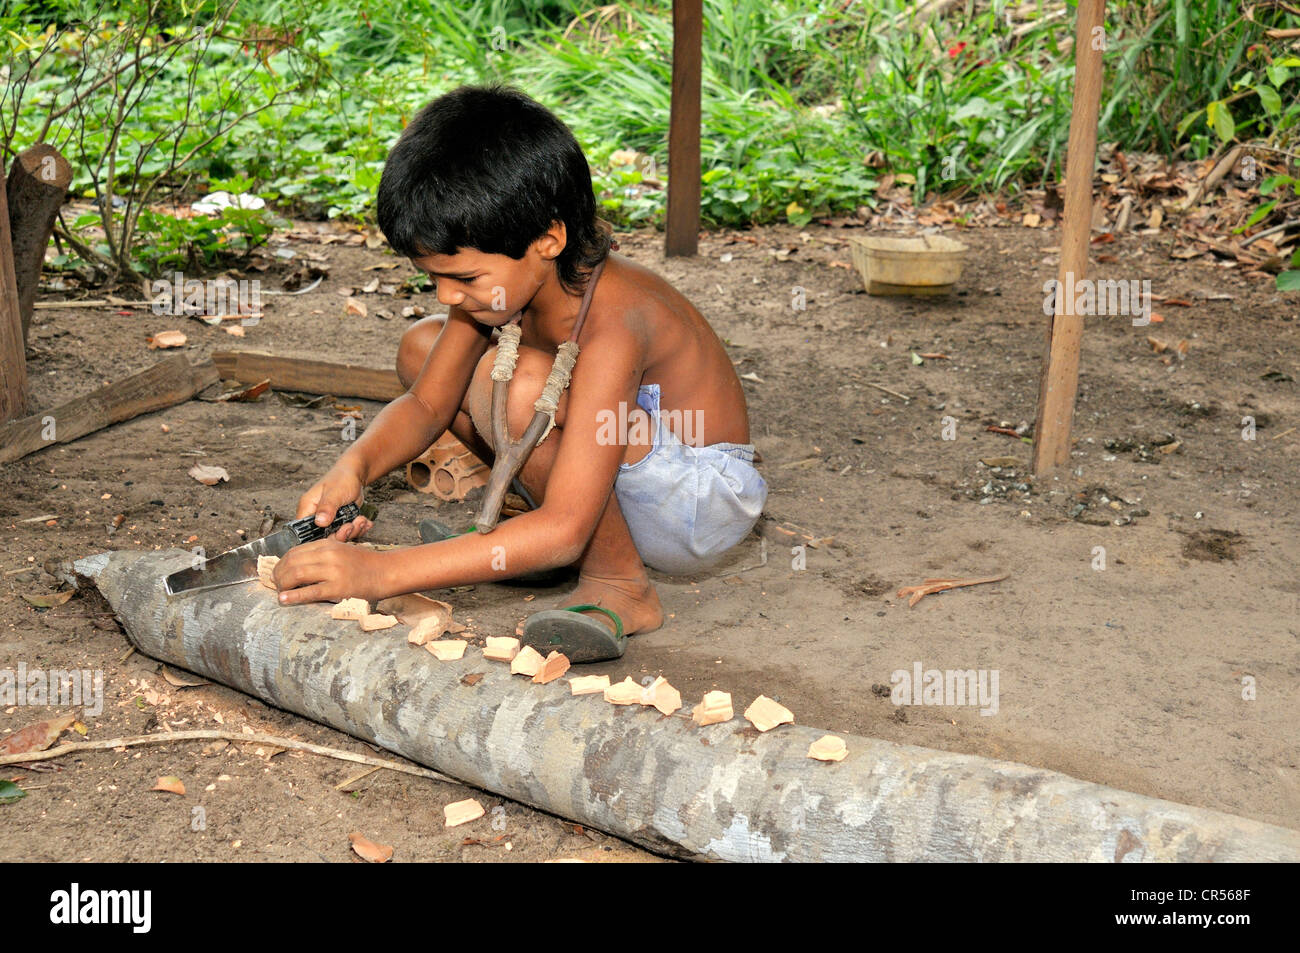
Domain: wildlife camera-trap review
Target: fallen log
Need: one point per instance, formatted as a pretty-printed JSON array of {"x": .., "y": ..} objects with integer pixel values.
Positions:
[
  {"x": 724, "y": 792},
  {"x": 168, "y": 382},
  {"x": 310, "y": 377},
  {"x": 38, "y": 184}
]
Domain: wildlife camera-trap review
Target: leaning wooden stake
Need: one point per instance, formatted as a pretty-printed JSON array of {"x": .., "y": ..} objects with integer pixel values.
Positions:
[
  {"x": 166, "y": 383},
  {"x": 1059, "y": 380},
  {"x": 682, "y": 231},
  {"x": 636, "y": 774},
  {"x": 13, "y": 355},
  {"x": 38, "y": 184}
]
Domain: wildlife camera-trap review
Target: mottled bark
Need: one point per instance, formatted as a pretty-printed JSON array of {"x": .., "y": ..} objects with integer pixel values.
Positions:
[{"x": 720, "y": 793}]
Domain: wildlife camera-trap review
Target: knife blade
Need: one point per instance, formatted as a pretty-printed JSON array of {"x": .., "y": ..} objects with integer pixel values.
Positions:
[{"x": 240, "y": 563}]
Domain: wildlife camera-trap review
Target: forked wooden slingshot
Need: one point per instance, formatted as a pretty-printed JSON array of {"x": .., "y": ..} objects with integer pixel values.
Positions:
[{"x": 510, "y": 460}]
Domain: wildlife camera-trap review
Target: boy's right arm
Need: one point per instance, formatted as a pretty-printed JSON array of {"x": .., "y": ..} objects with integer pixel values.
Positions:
[{"x": 409, "y": 425}]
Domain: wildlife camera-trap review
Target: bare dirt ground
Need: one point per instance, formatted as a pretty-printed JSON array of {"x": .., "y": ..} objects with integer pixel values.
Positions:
[{"x": 1131, "y": 675}]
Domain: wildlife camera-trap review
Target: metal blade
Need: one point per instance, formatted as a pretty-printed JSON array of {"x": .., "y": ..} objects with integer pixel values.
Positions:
[{"x": 238, "y": 565}]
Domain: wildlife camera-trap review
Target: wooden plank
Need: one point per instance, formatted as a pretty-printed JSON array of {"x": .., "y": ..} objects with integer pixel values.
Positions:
[
  {"x": 682, "y": 232},
  {"x": 168, "y": 382},
  {"x": 308, "y": 376},
  {"x": 38, "y": 184},
  {"x": 1059, "y": 381},
  {"x": 13, "y": 357}
]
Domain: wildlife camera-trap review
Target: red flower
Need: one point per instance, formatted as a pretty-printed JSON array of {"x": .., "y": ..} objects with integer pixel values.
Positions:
[{"x": 955, "y": 50}]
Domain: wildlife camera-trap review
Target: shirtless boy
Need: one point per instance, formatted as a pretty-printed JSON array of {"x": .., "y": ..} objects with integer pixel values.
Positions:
[{"x": 649, "y": 462}]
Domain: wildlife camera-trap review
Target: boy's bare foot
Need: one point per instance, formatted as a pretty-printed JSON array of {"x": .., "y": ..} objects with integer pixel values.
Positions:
[{"x": 634, "y": 601}]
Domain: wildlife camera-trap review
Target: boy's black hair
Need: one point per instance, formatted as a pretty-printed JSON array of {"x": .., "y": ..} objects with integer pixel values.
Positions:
[{"x": 488, "y": 168}]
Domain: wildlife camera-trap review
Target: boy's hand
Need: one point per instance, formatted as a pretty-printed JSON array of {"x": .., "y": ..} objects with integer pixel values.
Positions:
[
  {"x": 329, "y": 571},
  {"x": 338, "y": 487}
]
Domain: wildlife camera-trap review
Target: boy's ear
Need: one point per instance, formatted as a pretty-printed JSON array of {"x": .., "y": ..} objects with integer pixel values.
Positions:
[{"x": 553, "y": 242}]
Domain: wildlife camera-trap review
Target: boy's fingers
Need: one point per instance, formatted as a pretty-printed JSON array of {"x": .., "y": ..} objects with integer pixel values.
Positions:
[{"x": 314, "y": 593}]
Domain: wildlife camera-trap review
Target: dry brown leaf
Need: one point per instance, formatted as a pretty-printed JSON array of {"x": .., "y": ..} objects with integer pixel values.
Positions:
[
  {"x": 356, "y": 307},
  {"x": 48, "y": 600},
  {"x": 179, "y": 682},
  {"x": 169, "y": 783},
  {"x": 368, "y": 850},
  {"x": 36, "y": 737}
]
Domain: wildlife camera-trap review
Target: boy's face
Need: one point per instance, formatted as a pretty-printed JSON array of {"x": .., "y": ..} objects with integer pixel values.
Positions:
[{"x": 493, "y": 288}]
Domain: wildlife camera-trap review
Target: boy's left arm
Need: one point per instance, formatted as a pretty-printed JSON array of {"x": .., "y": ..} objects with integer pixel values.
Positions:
[{"x": 607, "y": 374}]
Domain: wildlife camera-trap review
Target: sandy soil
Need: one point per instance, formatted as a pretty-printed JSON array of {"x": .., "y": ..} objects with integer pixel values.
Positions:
[{"x": 1131, "y": 675}]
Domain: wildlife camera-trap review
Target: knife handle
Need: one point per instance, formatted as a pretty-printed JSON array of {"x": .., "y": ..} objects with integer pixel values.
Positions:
[{"x": 306, "y": 529}]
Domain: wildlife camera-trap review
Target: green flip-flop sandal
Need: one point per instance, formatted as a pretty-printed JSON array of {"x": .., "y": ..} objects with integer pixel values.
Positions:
[{"x": 581, "y": 638}]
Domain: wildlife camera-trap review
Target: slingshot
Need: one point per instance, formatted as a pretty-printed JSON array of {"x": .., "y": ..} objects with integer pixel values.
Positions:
[{"x": 511, "y": 455}]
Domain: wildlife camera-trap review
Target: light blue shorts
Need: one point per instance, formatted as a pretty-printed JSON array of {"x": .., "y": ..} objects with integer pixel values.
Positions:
[{"x": 686, "y": 506}]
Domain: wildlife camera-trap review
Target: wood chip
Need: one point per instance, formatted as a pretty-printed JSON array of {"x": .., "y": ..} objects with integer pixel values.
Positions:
[
  {"x": 209, "y": 476},
  {"x": 369, "y": 851},
  {"x": 662, "y": 696},
  {"x": 828, "y": 748},
  {"x": 501, "y": 648},
  {"x": 766, "y": 714},
  {"x": 447, "y": 650},
  {"x": 626, "y": 692},
  {"x": 165, "y": 339},
  {"x": 355, "y": 307},
  {"x": 715, "y": 708},
  {"x": 588, "y": 684},
  {"x": 353, "y": 610},
  {"x": 265, "y": 567},
  {"x": 462, "y": 812},
  {"x": 377, "y": 621},
  {"x": 528, "y": 662},
  {"x": 555, "y": 665},
  {"x": 430, "y": 627},
  {"x": 412, "y": 609}
]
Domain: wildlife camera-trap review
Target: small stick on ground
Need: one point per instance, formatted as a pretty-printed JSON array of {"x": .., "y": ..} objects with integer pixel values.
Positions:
[
  {"x": 893, "y": 393},
  {"x": 165, "y": 737},
  {"x": 931, "y": 586}
]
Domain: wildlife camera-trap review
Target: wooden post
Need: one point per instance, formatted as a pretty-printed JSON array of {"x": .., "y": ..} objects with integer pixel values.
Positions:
[
  {"x": 682, "y": 234},
  {"x": 13, "y": 357},
  {"x": 722, "y": 792},
  {"x": 38, "y": 184},
  {"x": 1059, "y": 382}
]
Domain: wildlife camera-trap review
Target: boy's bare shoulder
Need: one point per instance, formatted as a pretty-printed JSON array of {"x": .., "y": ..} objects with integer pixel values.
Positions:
[{"x": 643, "y": 297}]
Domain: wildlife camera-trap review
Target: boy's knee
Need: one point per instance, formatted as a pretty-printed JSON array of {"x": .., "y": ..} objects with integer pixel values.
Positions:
[
  {"x": 414, "y": 347},
  {"x": 531, "y": 371}
]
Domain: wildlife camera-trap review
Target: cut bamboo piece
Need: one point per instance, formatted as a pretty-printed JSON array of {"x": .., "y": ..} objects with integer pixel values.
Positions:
[
  {"x": 501, "y": 648},
  {"x": 447, "y": 650},
  {"x": 715, "y": 708},
  {"x": 462, "y": 812},
  {"x": 352, "y": 609},
  {"x": 662, "y": 696},
  {"x": 555, "y": 665},
  {"x": 528, "y": 662},
  {"x": 265, "y": 567},
  {"x": 588, "y": 684},
  {"x": 828, "y": 748},
  {"x": 766, "y": 714},
  {"x": 377, "y": 621},
  {"x": 626, "y": 692}
]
